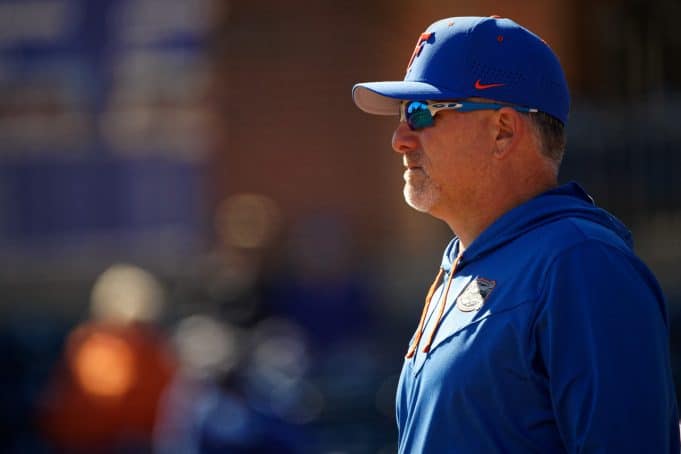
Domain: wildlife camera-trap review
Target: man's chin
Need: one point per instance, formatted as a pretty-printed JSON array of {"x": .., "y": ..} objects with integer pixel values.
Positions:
[
  {"x": 419, "y": 208},
  {"x": 420, "y": 202}
]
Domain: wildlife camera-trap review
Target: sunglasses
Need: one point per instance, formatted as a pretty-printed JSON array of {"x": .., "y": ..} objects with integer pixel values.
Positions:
[{"x": 421, "y": 114}]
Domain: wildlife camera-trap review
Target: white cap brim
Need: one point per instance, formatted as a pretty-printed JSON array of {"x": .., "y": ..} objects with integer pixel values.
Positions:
[{"x": 383, "y": 98}]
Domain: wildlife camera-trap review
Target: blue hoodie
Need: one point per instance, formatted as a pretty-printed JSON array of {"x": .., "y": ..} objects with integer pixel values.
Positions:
[{"x": 554, "y": 338}]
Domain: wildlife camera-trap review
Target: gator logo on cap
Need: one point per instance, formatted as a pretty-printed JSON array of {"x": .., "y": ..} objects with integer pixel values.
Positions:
[
  {"x": 423, "y": 39},
  {"x": 475, "y": 294}
]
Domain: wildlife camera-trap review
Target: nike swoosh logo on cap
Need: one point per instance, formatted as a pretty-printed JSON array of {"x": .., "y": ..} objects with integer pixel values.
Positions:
[{"x": 481, "y": 86}]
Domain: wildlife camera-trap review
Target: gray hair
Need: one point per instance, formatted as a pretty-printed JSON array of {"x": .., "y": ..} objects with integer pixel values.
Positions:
[{"x": 551, "y": 134}]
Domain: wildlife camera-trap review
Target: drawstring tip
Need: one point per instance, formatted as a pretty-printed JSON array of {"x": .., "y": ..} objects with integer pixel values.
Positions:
[{"x": 426, "y": 349}]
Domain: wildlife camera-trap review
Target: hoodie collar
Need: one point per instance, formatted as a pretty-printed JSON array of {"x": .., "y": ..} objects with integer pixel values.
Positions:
[{"x": 568, "y": 200}]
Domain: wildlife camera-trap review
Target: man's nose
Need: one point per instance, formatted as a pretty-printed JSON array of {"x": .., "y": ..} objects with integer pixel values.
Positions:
[{"x": 404, "y": 139}]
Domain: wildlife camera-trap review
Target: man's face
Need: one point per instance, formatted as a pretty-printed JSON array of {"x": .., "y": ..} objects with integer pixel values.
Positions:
[{"x": 445, "y": 163}]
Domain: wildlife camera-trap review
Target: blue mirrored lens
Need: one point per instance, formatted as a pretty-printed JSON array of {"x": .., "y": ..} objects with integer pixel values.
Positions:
[{"x": 417, "y": 115}]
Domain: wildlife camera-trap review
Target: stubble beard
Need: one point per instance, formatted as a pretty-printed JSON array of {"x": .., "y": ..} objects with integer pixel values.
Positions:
[{"x": 421, "y": 194}]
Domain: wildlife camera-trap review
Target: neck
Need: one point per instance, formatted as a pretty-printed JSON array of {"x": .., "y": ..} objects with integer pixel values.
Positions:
[{"x": 468, "y": 222}]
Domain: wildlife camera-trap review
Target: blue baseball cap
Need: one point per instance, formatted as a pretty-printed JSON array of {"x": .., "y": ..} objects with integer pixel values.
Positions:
[{"x": 466, "y": 57}]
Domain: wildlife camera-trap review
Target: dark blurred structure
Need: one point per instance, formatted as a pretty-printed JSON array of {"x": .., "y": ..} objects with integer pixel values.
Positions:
[{"x": 214, "y": 143}]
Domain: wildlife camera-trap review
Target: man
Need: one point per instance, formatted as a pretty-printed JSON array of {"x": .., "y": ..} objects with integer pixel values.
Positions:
[{"x": 543, "y": 332}]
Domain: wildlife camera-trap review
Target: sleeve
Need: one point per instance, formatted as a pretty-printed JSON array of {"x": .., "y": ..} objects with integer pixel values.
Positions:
[{"x": 601, "y": 335}]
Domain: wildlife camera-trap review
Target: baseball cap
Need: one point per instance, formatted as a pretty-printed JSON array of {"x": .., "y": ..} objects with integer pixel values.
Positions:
[{"x": 465, "y": 57}]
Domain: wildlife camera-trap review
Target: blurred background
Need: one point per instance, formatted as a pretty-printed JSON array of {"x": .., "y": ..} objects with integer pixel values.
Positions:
[{"x": 203, "y": 243}]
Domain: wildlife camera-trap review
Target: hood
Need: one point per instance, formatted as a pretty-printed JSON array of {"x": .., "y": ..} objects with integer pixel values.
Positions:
[{"x": 569, "y": 200}]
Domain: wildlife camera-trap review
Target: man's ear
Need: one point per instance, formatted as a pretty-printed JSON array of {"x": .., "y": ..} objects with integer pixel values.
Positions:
[{"x": 509, "y": 128}]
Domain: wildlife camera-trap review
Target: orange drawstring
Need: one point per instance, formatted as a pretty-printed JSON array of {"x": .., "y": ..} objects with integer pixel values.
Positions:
[
  {"x": 419, "y": 331},
  {"x": 443, "y": 303}
]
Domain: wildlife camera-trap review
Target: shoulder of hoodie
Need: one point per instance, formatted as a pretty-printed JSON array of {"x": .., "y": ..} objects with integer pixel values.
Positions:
[
  {"x": 546, "y": 243},
  {"x": 535, "y": 254},
  {"x": 537, "y": 250},
  {"x": 597, "y": 246},
  {"x": 558, "y": 236},
  {"x": 570, "y": 235}
]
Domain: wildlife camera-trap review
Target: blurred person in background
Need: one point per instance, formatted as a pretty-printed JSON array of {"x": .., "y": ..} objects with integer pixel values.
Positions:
[
  {"x": 103, "y": 396},
  {"x": 235, "y": 391},
  {"x": 543, "y": 331}
]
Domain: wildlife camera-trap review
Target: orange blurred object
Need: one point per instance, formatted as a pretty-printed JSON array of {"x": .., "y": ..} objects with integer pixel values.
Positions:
[
  {"x": 104, "y": 365},
  {"x": 106, "y": 391}
]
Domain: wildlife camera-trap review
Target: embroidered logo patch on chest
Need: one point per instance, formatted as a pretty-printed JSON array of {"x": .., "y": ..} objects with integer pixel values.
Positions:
[{"x": 474, "y": 295}]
